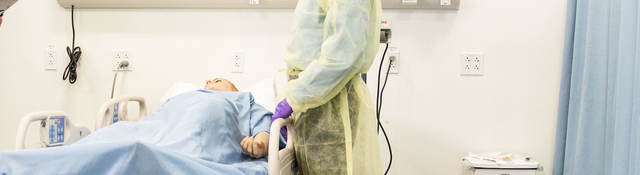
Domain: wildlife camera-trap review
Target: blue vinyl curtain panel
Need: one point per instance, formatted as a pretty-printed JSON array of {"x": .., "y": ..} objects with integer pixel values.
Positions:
[{"x": 599, "y": 113}]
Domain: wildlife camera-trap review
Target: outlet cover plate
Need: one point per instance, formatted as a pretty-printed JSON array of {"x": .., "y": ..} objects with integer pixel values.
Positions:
[
  {"x": 119, "y": 56},
  {"x": 50, "y": 58},
  {"x": 472, "y": 64},
  {"x": 394, "y": 57},
  {"x": 237, "y": 61}
]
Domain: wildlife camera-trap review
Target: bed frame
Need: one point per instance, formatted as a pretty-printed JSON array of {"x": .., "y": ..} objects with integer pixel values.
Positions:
[{"x": 281, "y": 162}]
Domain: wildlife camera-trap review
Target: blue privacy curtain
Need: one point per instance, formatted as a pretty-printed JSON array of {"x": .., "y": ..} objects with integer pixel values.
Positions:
[{"x": 599, "y": 115}]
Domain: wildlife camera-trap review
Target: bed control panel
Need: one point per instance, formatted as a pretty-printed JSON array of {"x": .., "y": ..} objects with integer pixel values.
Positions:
[
  {"x": 56, "y": 130},
  {"x": 115, "y": 113}
]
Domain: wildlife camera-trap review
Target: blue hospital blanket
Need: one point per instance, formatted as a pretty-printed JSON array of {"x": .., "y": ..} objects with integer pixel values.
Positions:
[{"x": 197, "y": 132}]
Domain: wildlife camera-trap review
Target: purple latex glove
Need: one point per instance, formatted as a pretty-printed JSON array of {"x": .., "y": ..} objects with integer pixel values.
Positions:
[{"x": 283, "y": 110}]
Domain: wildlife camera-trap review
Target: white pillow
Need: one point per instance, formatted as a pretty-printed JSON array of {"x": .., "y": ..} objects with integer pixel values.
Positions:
[
  {"x": 178, "y": 89},
  {"x": 263, "y": 92},
  {"x": 280, "y": 81}
]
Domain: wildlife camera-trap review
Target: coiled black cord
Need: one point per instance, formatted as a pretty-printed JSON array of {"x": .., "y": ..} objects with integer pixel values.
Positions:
[
  {"x": 379, "y": 93},
  {"x": 74, "y": 55}
]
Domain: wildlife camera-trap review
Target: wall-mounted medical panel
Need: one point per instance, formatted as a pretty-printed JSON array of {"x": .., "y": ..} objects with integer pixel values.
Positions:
[{"x": 240, "y": 4}]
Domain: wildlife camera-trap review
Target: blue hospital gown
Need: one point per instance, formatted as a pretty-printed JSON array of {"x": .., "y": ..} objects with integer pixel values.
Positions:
[{"x": 197, "y": 132}]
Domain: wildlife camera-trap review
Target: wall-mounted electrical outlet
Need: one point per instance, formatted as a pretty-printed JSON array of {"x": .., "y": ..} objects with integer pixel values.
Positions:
[
  {"x": 237, "y": 62},
  {"x": 119, "y": 57},
  {"x": 50, "y": 58},
  {"x": 472, "y": 63},
  {"x": 394, "y": 57},
  {"x": 394, "y": 66}
]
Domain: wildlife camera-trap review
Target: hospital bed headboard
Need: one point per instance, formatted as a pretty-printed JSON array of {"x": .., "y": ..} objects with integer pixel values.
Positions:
[
  {"x": 242, "y": 4},
  {"x": 117, "y": 108}
]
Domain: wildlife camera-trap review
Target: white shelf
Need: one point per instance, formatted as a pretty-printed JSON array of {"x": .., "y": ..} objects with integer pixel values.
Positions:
[{"x": 231, "y": 4}]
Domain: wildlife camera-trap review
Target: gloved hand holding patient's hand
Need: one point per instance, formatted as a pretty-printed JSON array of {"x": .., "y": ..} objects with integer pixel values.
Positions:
[
  {"x": 283, "y": 110},
  {"x": 256, "y": 147}
]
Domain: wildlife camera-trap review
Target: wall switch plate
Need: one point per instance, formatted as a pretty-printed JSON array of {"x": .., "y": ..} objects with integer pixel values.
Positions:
[
  {"x": 237, "y": 61},
  {"x": 50, "y": 58},
  {"x": 445, "y": 2},
  {"x": 472, "y": 63},
  {"x": 120, "y": 56},
  {"x": 394, "y": 57}
]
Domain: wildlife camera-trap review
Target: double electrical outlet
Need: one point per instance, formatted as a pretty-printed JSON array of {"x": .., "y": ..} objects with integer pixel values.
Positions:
[
  {"x": 121, "y": 61},
  {"x": 237, "y": 61},
  {"x": 50, "y": 58},
  {"x": 393, "y": 56},
  {"x": 472, "y": 63}
]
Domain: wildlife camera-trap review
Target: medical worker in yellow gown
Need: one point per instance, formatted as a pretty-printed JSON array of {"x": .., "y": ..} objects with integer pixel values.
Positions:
[{"x": 333, "y": 42}]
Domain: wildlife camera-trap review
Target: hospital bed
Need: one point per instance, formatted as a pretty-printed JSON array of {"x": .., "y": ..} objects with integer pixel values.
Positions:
[
  {"x": 264, "y": 92},
  {"x": 56, "y": 128}
]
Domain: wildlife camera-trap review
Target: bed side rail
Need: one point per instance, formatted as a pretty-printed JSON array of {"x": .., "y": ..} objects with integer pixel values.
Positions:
[
  {"x": 28, "y": 119},
  {"x": 104, "y": 109},
  {"x": 280, "y": 161}
]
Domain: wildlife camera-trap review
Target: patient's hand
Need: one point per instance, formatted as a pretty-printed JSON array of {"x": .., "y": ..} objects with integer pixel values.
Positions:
[{"x": 256, "y": 147}]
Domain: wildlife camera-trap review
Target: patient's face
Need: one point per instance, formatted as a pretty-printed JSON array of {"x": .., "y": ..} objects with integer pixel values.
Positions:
[{"x": 220, "y": 84}]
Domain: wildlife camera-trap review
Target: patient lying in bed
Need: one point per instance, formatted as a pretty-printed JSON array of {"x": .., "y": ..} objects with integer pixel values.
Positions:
[
  {"x": 256, "y": 146},
  {"x": 212, "y": 131}
]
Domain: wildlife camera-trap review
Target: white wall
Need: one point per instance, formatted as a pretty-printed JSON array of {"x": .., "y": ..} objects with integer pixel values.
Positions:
[{"x": 435, "y": 116}]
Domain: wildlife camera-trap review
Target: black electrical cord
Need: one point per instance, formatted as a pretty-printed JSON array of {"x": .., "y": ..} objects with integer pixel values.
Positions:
[
  {"x": 384, "y": 86},
  {"x": 380, "y": 124},
  {"x": 379, "y": 94},
  {"x": 384, "y": 54},
  {"x": 74, "y": 55}
]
